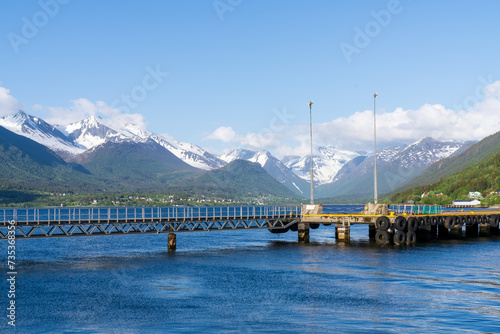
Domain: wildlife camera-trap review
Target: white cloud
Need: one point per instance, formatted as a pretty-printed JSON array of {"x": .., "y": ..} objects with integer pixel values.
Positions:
[
  {"x": 225, "y": 134},
  {"x": 8, "y": 104},
  {"x": 83, "y": 108},
  {"x": 266, "y": 139},
  {"x": 399, "y": 126}
]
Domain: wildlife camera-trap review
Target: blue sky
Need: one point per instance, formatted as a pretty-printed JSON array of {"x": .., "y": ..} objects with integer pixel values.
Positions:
[{"x": 241, "y": 72}]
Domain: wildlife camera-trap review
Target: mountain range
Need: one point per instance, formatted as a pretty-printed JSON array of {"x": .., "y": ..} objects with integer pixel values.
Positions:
[
  {"x": 396, "y": 166},
  {"x": 475, "y": 169},
  {"x": 138, "y": 159}
]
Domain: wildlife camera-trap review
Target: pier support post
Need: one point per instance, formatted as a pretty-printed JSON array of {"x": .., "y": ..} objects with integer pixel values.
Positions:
[
  {"x": 443, "y": 232},
  {"x": 471, "y": 231},
  {"x": 484, "y": 230},
  {"x": 303, "y": 230},
  {"x": 434, "y": 232},
  {"x": 308, "y": 214},
  {"x": 343, "y": 232},
  {"x": 456, "y": 232},
  {"x": 424, "y": 233},
  {"x": 372, "y": 231},
  {"x": 172, "y": 242}
]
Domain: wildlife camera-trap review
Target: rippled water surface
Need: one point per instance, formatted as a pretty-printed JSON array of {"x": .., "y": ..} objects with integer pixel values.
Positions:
[{"x": 255, "y": 281}]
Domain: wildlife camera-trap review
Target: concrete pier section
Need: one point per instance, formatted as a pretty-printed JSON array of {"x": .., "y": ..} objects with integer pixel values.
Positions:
[{"x": 303, "y": 226}]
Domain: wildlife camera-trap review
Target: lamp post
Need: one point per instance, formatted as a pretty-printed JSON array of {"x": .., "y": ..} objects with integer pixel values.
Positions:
[
  {"x": 311, "y": 131},
  {"x": 375, "y": 145}
]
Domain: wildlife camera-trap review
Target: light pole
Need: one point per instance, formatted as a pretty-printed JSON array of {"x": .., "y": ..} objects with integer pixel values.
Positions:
[
  {"x": 311, "y": 131},
  {"x": 375, "y": 144}
]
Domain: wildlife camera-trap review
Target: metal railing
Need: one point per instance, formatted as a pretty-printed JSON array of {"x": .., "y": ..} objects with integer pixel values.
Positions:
[
  {"x": 136, "y": 214},
  {"x": 417, "y": 209}
]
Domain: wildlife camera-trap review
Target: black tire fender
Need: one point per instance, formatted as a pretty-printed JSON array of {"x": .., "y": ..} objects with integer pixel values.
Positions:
[
  {"x": 411, "y": 237},
  {"x": 494, "y": 220},
  {"x": 434, "y": 220},
  {"x": 450, "y": 222},
  {"x": 400, "y": 223},
  {"x": 382, "y": 223},
  {"x": 412, "y": 224},
  {"x": 399, "y": 237},
  {"x": 383, "y": 237}
]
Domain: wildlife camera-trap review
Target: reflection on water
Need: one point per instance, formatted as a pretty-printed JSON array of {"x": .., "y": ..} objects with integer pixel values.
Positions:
[
  {"x": 174, "y": 287},
  {"x": 255, "y": 281}
]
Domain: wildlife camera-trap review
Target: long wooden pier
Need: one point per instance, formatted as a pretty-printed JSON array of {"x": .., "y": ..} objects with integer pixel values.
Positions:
[{"x": 397, "y": 226}]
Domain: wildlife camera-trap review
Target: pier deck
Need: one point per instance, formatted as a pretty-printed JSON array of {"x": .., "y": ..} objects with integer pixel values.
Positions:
[{"x": 397, "y": 226}]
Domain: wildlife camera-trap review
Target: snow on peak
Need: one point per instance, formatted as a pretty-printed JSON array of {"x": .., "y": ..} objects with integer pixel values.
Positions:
[
  {"x": 40, "y": 131},
  {"x": 326, "y": 164},
  {"x": 253, "y": 156}
]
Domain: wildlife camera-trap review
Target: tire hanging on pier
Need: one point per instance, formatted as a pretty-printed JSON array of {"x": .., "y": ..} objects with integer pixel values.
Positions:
[
  {"x": 400, "y": 223},
  {"x": 450, "y": 222},
  {"x": 382, "y": 223},
  {"x": 441, "y": 220},
  {"x": 411, "y": 238},
  {"x": 494, "y": 220},
  {"x": 468, "y": 220},
  {"x": 434, "y": 220},
  {"x": 383, "y": 237},
  {"x": 277, "y": 230},
  {"x": 399, "y": 237},
  {"x": 294, "y": 228},
  {"x": 313, "y": 226},
  {"x": 412, "y": 224}
]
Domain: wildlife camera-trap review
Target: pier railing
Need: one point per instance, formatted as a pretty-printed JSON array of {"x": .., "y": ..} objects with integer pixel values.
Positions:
[
  {"x": 417, "y": 209},
  {"x": 136, "y": 214}
]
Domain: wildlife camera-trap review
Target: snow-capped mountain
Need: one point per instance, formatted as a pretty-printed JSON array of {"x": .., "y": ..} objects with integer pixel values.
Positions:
[
  {"x": 425, "y": 152},
  {"x": 273, "y": 167},
  {"x": 396, "y": 166},
  {"x": 189, "y": 153},
  {"x": 92, "y": 132},
  {"x": 42, "y": 132},
  {"x": 326, "y": 164}
]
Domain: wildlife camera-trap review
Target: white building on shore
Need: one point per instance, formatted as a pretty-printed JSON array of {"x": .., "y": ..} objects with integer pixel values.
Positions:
[{"x": 474, "y": 202}]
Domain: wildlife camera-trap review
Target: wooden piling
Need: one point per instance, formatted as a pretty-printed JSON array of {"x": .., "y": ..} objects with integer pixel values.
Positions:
[
  {"x": 372, "y": 231},
  {"x": 484, "y": 230},
  {"x": 172, "y": 242},
  {"x": 443, "y": 232},
  {"x": 424, "y": 233},
  {"x": 303, "y": 232},
  {"x": 434, "y": 231},
  {"x": 471, "y": 231},
  {"x": 456, "y": 232}
]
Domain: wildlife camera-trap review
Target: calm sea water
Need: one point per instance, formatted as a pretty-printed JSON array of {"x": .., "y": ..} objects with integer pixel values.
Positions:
[{"x": 254, "y": 281}]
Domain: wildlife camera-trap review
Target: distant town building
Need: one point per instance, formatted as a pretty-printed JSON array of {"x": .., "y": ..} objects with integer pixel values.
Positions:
[
  {"x": 474, "y": 202},
  {"x": 474, "y": 194}
]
